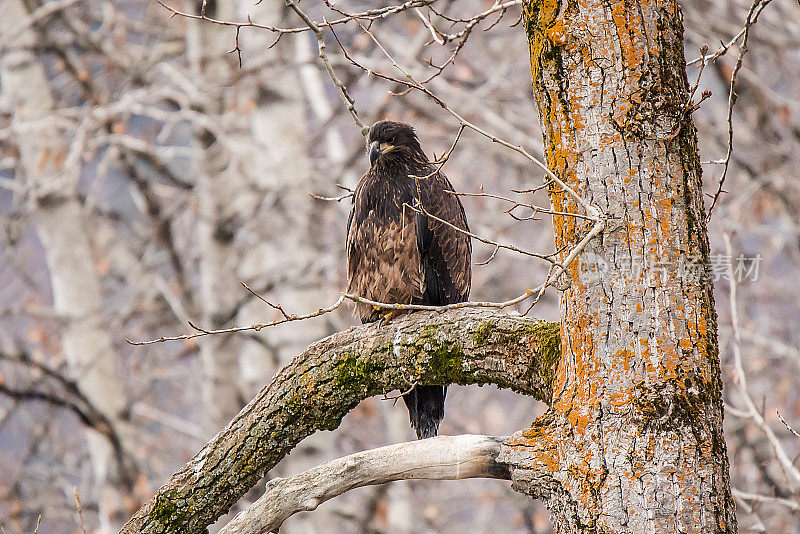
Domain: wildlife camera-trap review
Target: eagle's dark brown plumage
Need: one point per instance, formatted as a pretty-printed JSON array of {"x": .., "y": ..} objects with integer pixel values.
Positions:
[{"x": 397, "y": 255}]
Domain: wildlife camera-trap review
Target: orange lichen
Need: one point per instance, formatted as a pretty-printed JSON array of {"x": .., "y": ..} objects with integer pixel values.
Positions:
[
  {"x": 557, "y": 33},
  {"x": 654, "y": 228}
]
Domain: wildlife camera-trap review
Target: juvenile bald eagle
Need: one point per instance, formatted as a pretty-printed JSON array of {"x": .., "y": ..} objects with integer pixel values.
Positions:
[{"x": 398, "y": 255}]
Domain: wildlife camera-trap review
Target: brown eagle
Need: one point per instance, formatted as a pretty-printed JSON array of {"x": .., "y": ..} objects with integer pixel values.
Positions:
[{"x": 396, "y": 254}]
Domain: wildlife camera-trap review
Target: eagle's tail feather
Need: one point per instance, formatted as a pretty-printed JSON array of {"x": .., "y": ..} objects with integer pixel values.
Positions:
[{"x": 425, "y": 409}]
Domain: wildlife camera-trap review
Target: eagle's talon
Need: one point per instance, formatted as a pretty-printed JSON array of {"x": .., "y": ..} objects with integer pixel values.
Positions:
[{"x": 391, "y": 315}]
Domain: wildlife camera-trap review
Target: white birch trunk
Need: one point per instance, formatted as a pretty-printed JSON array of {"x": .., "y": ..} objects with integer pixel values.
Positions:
[
  {"x": 51, "y": 177},
  {"x": 294, "y": 250},
  {"x": 219, "y": 184}
]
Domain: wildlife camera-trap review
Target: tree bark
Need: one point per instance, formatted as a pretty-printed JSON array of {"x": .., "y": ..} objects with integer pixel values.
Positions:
[
  {"x": 633, "y": 441},
  {"x": 322, "y": 384}
]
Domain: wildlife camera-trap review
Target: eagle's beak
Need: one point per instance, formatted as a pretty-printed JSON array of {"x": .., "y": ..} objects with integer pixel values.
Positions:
[
  {"x": 374, "y": 152},
  {"x": 376, "y": 149}
]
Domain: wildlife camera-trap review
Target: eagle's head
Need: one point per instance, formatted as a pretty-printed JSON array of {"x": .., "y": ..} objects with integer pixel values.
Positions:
[{"x": 391, "y": 142}]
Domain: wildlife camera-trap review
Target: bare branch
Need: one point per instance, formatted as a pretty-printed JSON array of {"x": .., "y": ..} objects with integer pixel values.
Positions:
[
  {"x": 42, "y": 12},
  {"x": 439, "y": 458},
  {"x": 421, "y": 210},
  {"x": 256, "y": 326},
  {"x": 754, "y": 497},
  {"x": 517, "y": 204},
  {"x": 323, "y": 56},
  {"x": 553, "y": 274},
  {"x": 752, "y": 16},
  {"x": 371, "y": 14},
  {"x": 789, "y": 428},
  {"x": 790, "y": 471},
  {"x": 412, "y": 83}
]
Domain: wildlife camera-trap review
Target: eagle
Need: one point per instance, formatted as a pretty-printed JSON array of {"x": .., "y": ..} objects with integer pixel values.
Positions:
[{"x": 407, "y": 244}]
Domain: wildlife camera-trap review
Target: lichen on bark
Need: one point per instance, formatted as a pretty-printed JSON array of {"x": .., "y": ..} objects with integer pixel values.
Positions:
[{"x": 637, "y": 394}]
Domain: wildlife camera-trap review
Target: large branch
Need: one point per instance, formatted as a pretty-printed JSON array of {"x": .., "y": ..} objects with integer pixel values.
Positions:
[
  {"x": 332, "y": 376},
  {"x": 440, "y": 458}
]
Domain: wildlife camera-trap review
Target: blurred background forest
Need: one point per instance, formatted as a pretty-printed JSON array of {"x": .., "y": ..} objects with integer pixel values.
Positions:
[{"x": 144, "y": 174}]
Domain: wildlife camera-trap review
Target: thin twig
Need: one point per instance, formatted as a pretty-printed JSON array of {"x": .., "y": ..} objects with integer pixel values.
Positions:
[
  {"x": 538, "y": 290},
  {"x": 786, "y": 464},
  {"x": 331, "y": 199},
  {"x": 372, "y": 14},
  {"x": 277, "y": 307},
  {"x": 410, "y": 82},
  {"x": 464, "y": 34},
  {"x": 323, "y": 56},
  {"x": 254, "y": 327},
  {"x": 517, "y": 204},
  {"x": 790, "y": 429},
  {"x": 80, "y": 510},
  {"x": 422, "y": 211},
  {"x": 752, "y": 17}
]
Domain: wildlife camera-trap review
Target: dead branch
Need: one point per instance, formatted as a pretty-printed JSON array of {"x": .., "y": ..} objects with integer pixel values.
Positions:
[{"x": 439, "y": 458}]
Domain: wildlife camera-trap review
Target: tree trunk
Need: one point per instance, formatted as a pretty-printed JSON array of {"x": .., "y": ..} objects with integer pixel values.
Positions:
[
  {"x": 219, "y": 183},
  {"x": 50, "y": 176},
  {"x": 633, "y": 441}
]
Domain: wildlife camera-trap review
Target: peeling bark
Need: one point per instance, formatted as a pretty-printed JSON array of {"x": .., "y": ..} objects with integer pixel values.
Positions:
[
  {"x": 633, "y": 441},
  {"x": 323, "y": 383}
]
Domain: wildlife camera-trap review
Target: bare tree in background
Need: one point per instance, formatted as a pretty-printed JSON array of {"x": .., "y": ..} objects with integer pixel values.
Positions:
[
  {"x": 51, "y": 181},
  {"x": 183, "y": 190}
]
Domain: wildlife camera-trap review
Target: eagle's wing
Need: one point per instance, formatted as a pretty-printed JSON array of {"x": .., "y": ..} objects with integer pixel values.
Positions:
[{"x": 445, "y": 252}]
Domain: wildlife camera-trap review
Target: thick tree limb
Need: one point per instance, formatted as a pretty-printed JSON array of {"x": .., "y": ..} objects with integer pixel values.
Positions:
[
  {"x": 323, "y": 383},
  {"x": 440, "y": 458}
]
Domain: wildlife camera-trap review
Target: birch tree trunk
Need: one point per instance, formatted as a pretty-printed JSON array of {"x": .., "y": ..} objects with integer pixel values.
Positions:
[
  {"x": 290, "y": 256},
  {"x": 220, "y": 182},
  {"x": 633, "y": 441},
  {"x": 50, "y": 176},
  {"x": 291, "y": 249}
]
